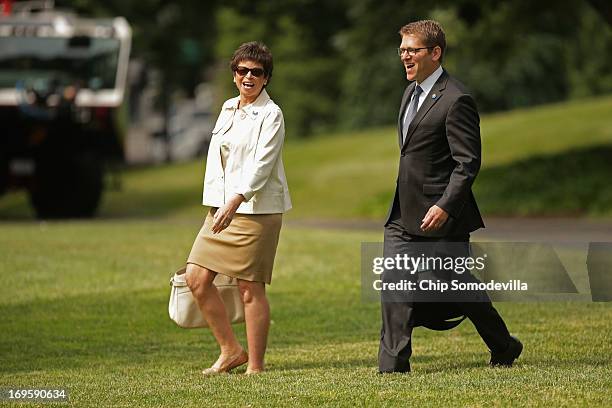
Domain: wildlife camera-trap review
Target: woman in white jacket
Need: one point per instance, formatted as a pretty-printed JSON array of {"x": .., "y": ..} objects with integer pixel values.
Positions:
[{"x": 246, "y": 190}]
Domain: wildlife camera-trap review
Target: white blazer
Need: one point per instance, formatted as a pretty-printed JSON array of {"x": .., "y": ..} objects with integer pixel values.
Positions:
[{"x": 254, "y": 137}]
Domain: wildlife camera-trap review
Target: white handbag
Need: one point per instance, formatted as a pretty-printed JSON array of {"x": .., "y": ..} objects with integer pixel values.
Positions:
[{"x": 183, "y": 308}]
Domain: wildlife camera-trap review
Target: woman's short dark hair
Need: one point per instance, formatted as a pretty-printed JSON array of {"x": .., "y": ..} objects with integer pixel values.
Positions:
[{"x": 254, "y": 51}]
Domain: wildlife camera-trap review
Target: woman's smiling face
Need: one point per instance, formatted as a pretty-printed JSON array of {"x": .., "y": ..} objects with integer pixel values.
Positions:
[{"x": 250, "y": 79}]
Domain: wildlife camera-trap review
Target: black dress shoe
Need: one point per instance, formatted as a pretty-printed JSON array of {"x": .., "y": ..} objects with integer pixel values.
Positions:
[
  {"x": 402, "y": 368},
  {"x": 506, "y": 358}
]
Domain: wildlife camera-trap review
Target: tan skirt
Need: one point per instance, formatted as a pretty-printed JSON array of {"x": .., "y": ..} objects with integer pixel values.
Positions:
[{"x": 244, "y": 250}]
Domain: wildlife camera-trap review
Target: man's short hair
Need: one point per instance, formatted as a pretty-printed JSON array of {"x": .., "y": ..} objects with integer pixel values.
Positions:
[{"x": 428, "y": 31}]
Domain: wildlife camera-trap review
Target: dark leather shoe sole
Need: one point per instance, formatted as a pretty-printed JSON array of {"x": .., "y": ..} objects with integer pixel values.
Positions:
[{"x": 394, "y": 372}]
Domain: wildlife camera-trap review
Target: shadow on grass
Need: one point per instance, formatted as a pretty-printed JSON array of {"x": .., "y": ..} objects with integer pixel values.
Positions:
[
  {"x": 574, "y": 182},
  {"x": 154, "y": 203},
  {"x": 76, "y": 331},
  {"x": 158, "y": 202},
  {"x": 134, "y": 328},
  {"x": 570, "y": 183}
]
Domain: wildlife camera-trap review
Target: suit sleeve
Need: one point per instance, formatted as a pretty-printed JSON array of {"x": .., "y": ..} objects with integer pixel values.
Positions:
[
  {"x": 463, "y": 135},
  {"x": 268, "y": 148}
]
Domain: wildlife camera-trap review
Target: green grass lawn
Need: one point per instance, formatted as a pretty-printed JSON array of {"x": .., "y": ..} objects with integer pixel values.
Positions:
[
  {"x": 548, "y": 160},
  {"x": 84, "y": 306}
]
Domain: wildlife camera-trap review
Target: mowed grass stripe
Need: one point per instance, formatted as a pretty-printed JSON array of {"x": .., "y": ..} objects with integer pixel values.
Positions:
[{"x": 84, "y": 306}]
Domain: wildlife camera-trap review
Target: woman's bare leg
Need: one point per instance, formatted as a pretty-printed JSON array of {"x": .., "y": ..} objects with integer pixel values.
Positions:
[
  {"x": 257, "y": 317},
  {"x": 200, "y": 280}
]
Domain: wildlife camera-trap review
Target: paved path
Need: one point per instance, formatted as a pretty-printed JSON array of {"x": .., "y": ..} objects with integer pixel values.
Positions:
[
  {"x": 507, "y": 229},
  {"x": 547, "y": 229}
]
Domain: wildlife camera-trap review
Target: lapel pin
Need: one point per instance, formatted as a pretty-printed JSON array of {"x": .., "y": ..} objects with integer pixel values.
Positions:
[{"x": 434, "y": 96}]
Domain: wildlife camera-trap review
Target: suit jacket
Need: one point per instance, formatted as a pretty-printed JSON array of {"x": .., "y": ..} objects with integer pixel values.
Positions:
[{"x": 439, "y": 160}]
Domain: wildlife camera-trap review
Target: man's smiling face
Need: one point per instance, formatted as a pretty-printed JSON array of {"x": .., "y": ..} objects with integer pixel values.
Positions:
[{"x": 423, "y": 63}]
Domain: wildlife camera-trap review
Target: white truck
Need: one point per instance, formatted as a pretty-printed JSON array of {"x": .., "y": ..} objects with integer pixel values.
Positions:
[{"x": 63, "y": 120}]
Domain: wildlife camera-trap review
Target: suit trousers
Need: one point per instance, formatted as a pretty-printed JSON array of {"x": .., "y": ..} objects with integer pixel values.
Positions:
[{"x": 398, "y": 317}]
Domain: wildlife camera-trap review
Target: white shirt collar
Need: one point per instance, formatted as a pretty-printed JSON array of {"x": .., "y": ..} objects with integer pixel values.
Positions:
[
  {"x": 430, "y": 81},
  {"x": 252, "y": 109}
]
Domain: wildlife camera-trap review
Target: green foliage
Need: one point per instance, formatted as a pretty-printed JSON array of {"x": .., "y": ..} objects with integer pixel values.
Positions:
[
  {"x": 234, "y": 29},
  {"x": 175, "y": 37},
  {"x": 589, "y": 56},
  {"x": 373, "y": 79},
  {"x": 509, "y": 60},
  {"x": 335, "y": 62},
  {"x": 303, "y": 81}
]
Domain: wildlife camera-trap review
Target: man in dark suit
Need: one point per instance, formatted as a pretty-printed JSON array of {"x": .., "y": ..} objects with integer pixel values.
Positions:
[{"x": 439, "y": 139}]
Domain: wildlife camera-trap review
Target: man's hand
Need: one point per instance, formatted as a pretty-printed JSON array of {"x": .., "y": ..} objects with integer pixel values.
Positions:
[
  {"x": 434, "y": 219},
  {"x": 224, "y": 215}
]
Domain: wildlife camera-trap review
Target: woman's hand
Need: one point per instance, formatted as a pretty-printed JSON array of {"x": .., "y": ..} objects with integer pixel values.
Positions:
[{"x": 223, "y": 216}]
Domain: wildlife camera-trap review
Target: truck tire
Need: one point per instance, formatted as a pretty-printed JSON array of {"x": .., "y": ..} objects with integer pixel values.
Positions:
[
  {"x": 4, "y": 175},
  {"x": 68, "y": 187}
]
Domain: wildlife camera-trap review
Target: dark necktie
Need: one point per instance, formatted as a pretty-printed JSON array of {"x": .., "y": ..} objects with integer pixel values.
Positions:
[{"x": 412, "y": 110}]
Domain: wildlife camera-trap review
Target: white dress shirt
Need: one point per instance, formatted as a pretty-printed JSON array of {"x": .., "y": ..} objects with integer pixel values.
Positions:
[{"x": 426, "y": 86}]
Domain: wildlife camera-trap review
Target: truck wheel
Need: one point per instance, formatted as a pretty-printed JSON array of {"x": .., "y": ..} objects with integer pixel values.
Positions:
[
  {"x": 4, "y": 176},
  {"x": 67, "y": 188}
]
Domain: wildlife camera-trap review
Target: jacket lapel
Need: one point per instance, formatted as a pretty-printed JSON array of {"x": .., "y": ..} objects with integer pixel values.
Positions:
[
  {"x": 428, "y": 103},
  {"x": 407, "y": 95}
]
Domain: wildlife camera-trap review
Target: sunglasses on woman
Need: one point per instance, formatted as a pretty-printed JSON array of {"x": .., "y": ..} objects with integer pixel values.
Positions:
[{"x": 256, "y": 72}]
